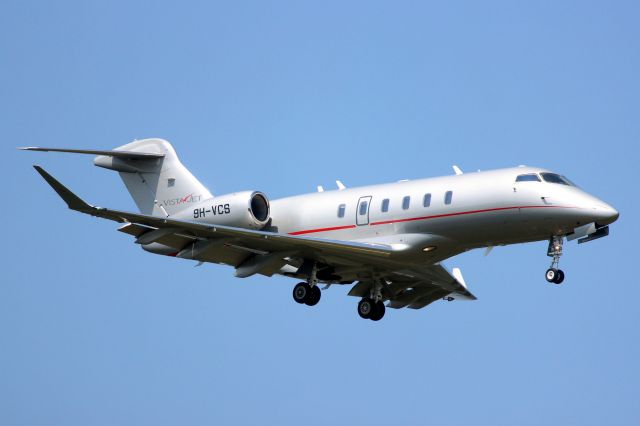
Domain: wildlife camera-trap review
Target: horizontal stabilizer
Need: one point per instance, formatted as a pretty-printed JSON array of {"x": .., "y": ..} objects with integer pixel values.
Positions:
[{"x": 130, "y": 155}]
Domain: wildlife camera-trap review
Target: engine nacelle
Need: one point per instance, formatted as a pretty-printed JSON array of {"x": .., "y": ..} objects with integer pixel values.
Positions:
[{"x": 248, "y": 209}]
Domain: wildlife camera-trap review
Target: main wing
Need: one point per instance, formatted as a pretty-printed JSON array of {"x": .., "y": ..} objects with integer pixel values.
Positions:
[{"x": 405, "y": 285}]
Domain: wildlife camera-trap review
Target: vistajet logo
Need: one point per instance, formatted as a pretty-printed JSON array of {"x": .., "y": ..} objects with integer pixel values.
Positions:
[{"x": 182, "y": 200}]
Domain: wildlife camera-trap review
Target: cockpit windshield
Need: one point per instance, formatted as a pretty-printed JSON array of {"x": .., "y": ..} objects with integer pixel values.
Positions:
[
  {"x": 555, "y": 178},
  {"x": 531, "y": 177}
]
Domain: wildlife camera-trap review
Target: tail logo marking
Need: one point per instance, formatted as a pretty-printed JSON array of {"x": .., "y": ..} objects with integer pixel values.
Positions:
[{"x": 182, "y": 200}]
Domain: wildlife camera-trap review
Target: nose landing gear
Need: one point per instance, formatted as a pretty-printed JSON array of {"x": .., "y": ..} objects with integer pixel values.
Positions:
[{"x": 555, "y": 275}]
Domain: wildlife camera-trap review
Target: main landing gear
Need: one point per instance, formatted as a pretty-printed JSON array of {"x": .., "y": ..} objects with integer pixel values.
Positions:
[
  {"x": 304, "y": 293},
  {"x": 372, "y": 307},
  {"x": 555, "y": 275},
  {"x": 308, "y": 293}
]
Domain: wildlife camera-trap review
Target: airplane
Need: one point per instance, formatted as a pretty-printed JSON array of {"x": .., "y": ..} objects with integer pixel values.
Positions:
[{"x": 390, "y": 239}]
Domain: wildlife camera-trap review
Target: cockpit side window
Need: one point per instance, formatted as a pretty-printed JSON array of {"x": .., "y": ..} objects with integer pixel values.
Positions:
[
  {"x": 555, "y": 178},
  {"x": 531, "y": 177}
]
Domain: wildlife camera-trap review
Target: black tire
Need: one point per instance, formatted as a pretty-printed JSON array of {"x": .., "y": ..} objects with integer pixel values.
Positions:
[
  {"x": 366, "y": 307},
  {"x": 551, "y": 275},
  {"x": 378, "y": 312},
  {"x": 314, "y": 296},
  {"x": 559, "y": 277},
  {"x": 301, "y": 292}
]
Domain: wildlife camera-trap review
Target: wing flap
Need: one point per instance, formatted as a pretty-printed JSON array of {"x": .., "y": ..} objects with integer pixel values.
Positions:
[
  {"x": 134, "y": 230},
  {"x": 407, "y": 297},
  {"x": 428, "y": 299}
]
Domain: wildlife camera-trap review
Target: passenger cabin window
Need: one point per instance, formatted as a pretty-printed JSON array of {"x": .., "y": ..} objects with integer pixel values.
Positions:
[
  {"x": 426, "y": 202},
  {"x": 385, "y": 205},
  {"x": 448, "y": 196},
  {"x": 363, "y": 208},
  {"x": 341, "y": 209},
  {"x": 555, "y": 178},
  {"x": 532, "y": 177},
  {"x": 406, "y": 201}
]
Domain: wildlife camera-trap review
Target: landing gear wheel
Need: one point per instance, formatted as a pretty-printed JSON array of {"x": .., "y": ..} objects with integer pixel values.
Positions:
[
  {"x": 366, "y": 307},
  {"x": 554, "y": 275},
  {"x": 378, "y": 312},
  {"x": 301, "y": 292},
  {"x": 313, "y": 297}
]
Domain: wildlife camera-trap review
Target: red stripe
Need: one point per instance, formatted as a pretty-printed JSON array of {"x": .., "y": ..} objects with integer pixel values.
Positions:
[
  {"x": 437, "y": 216},
  {"x": 311, "y": 231}
]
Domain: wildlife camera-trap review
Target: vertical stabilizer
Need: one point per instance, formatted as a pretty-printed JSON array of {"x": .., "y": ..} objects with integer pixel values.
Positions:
[{"x": 160, "y": 185}]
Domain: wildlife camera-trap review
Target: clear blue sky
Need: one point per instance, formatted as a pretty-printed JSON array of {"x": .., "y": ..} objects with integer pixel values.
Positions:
[{"x": 281, "y": 97}]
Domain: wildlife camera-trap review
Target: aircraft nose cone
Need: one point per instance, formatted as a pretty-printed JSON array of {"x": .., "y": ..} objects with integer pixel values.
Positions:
[{"x": 607, "y": 215}]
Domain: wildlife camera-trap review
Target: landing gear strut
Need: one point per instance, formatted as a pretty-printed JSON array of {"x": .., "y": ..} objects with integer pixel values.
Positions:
[
  {"x": 554, "y": 274},
  {"x": 372, "y": 307},
  {"x": 308, "y": 293}
]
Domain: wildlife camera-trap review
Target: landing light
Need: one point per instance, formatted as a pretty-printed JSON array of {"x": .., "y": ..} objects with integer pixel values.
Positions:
[{"x": 428, "y": 249}]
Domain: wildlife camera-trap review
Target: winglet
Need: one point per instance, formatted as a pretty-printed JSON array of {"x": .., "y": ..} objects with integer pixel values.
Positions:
[
  {"x": 457, "y": 274},
  {"x": 73, "y": 201}
]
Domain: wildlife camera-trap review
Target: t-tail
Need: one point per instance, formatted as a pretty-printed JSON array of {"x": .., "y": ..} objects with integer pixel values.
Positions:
[{"x": 158, "y": 182}]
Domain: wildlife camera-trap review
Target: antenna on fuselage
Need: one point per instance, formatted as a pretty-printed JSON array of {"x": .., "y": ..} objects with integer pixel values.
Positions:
[
  {"x": 320, "y": 188},
  {"x": 457, "y": 170},
  {"x": 340, "y": 185}
]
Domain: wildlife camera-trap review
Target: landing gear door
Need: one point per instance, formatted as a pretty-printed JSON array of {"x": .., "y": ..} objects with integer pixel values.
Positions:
[{"x": 362, "y": 212}]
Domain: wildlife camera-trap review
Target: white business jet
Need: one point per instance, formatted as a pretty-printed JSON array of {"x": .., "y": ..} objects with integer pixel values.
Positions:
[{"x": 387, "y": 239}]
